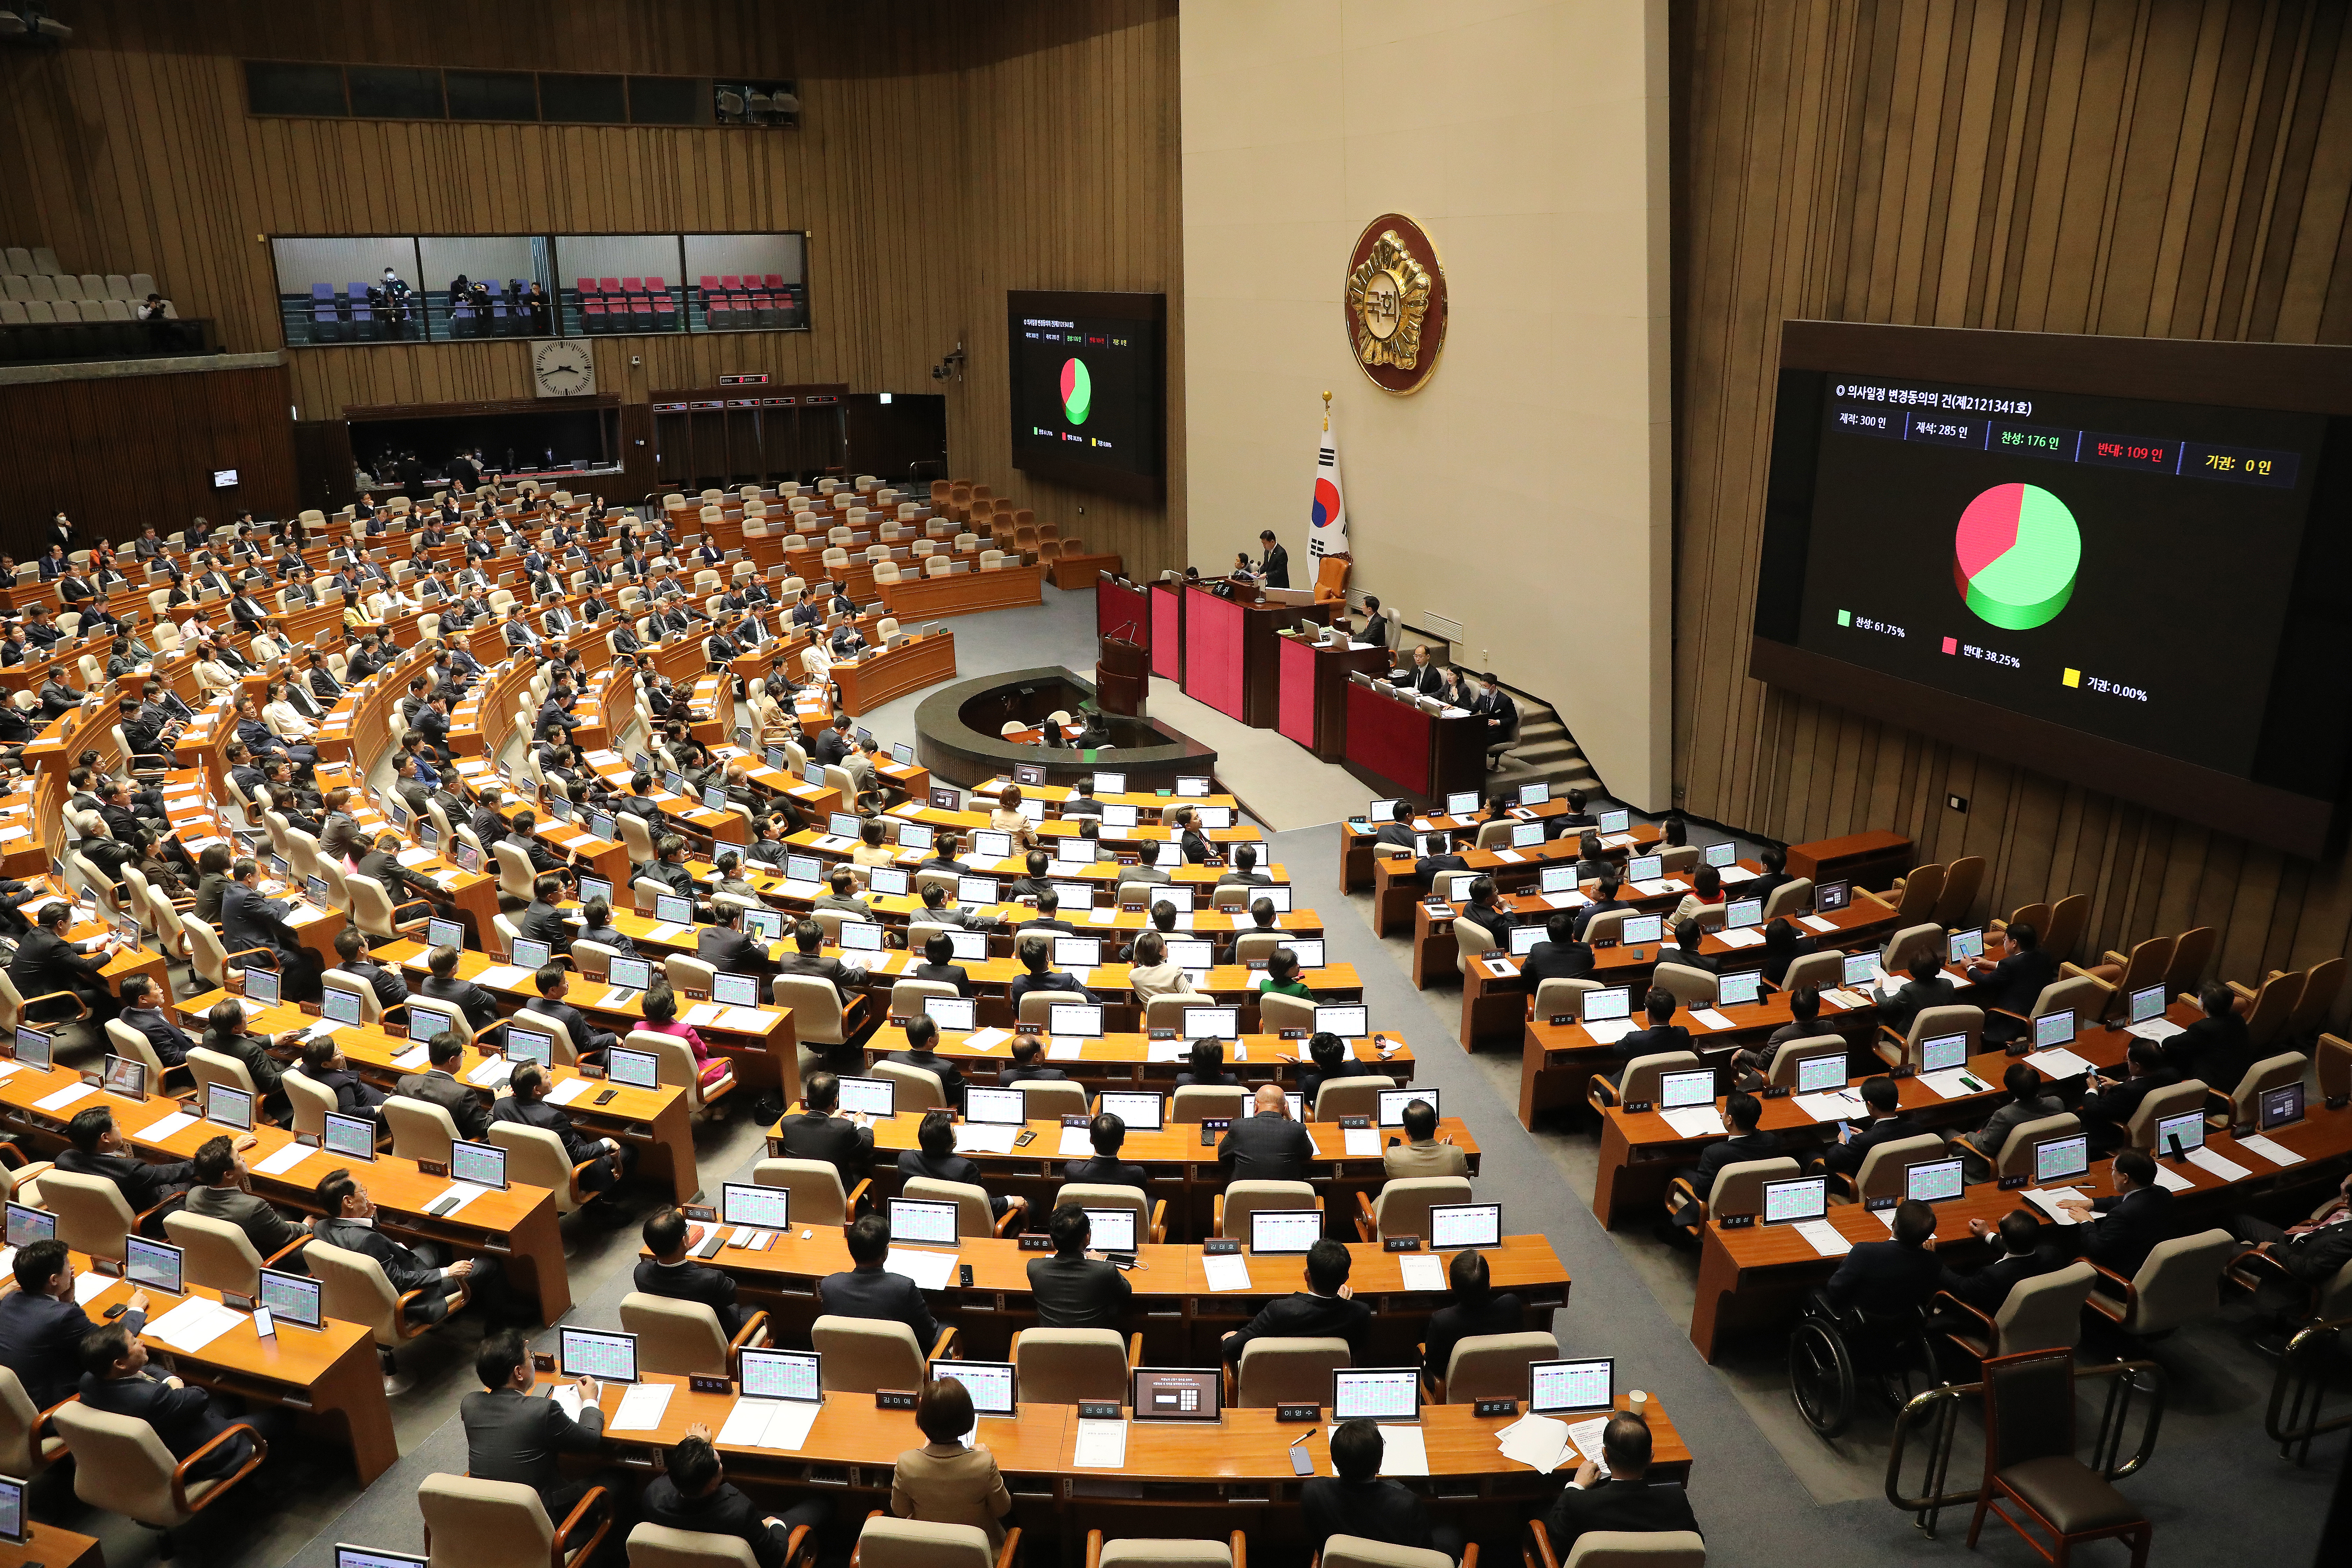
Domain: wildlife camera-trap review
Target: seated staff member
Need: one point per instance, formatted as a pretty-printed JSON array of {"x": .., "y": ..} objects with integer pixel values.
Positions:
[
  {"x": 1265, "y": 1145},
  {"x": 512, "y": 1437},
  {"x": 42, "y": 1326},
  {"x": 943, "y": 1482},
  {"x": 1420, "y": 1154},
  {"x": 115, "y": 1379},
  {"x": 1076, "y": 1289},
  {"x": 692, "y": 1494},
  {"x": 1037, "y": 955},
  {"x": 934, "y": 1157},
  {"x": 2024, "y": 1253},
  {"x": 1108, "y": 1133},
  {"x": 865, "y": 1290},
  {"x": 671, "y": 1274},
  {"x": 1028, "y": 1061},
  {"x": 1476, "y": 1309},
  {"x": 821, "y": 1130},
  {"x": 599, "y": 1163},
  {"x": 1356, "y": 1502},
  {"x": 1626, "y": 1501},
  {"x": 1741, "y": 1113},
  {"x": 1327, "y": 1309}
]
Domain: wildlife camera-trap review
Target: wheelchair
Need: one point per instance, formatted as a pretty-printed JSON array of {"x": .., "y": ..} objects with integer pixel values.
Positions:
[{"x": 1831, "y": 1351}]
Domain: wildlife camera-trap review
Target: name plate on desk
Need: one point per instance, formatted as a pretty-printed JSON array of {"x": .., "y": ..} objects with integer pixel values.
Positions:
[
  {"x": 431, "y": 1167},
  {"x": 1292, "y": 1034},
  {"x": 702, "y": 1212},
  {"x": 1735, "y": 1221},
  {"x": 1874, "y": 1204},
  {"x": 2012, "y": 1184},
  {"x": 1358, "y": 1124},
  {"x": 1080, "y": 1123},
  {"x": 1906, "y": 1070},
  {"x": 1099, "y": 1410},
  {"x": 589, "y": 1069},
  {"x": 1160, "y": 1034},
  {"x": 1561, "y": 1020},
  {"x": 2338, "y": 1102},
  {"x": 1219, "y": 1247},
  {"x": 893, "y": 1399},
  {"x": 1777, "y": 1091},
  {"x": 702, "y": 1385},
  {"x": 1214, "y": 1128},
  {"x": 1031, "y": 1241},
  {"x": 1401, "y": 1244},
  {"x": 1285, "y": 1413},
  {"x": 1633, "y": 1107},
  {"x": 1494, "y": 1407}
]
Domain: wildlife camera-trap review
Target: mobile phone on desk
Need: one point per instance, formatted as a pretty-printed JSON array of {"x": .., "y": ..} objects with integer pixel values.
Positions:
[{"x": 264, "y": 1325}]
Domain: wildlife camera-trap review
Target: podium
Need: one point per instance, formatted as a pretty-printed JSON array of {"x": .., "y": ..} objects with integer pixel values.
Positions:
[{"x": 1122, "y": 677}]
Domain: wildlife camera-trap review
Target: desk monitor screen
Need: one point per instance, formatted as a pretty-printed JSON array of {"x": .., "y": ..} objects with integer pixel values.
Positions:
[
  {"x": 1392, "y": 1102},
  {"x": 590, "y": 1352},
  {"x": 1141, "y": 1109},
  {"x": 990, "y": 1383},
  {"x": 868, "y": 1096},
  {"x": 970, "y": 946},
  {"x": 1174, "y": 1393},
  {"x": 560, "y": 809},
  {"x": 1613, "y": 822},
  {"x": 951, "y": 1012},
  {"x": 1349, "y": 1020},
  {"x": 1645, "y": 867},
  {"x": 2147, "y": 1002},
  {"x": 2280, "y": 1107},
  {"x": 527, "y": 952},
  {"x": 1820, "y": 1073},
  {"x": 1534, "y": 794},
  {"x": 530, "y": 1046},
  {"x": 671, "y": 910},
  {"x": 1278, "y": 895},
  {"x": 445, "y": 933},
  {"x": 1738, "y": 988},
  {"x": 1695, "y": 1087},
  {"x": 1933, "y": 1181},
  {"x": 292, "y": 1297},
  {"x": 280, "y": 870},
  {"x": 751, "y": 1203},
  {"x": 1084, "y": 1018},
  {"x": 1741, "y": 914},
  {"x": 1455, "y": 1226},
  {"x": 27, "y": 1225},
  {"x": 843, "y": 825},
  {"x": 1192, "y": 786},
  {"x": 1859, "y": 969},
  {"x": 1376, "y": 1393},
  {"x": 990, "y": 845},
  {"x": 1558, "y": 879},
  {"x": 902, "y": 754},
  {"x": 1796, "y": 1198},
  {"x": 1285, "y": 1231},
  {"x": 229, "y": 1107},
  {"x": 602, "y": 824},
  {"x": 735, "y": 990},
  {"x": 1116, "y": 816},
  {"x": 995, "y": 1107},
  {"x": 482, "y": 1164},
  {"x": 155, "y": 1264},
  {"x": 1721, "y": 855},
  {"x": 922, "y": 1223},
  {"x": 916, "y": 836},
  {"x": 2054, "y": 1030},
  {"x": 803, "y": 869},
  {"x": 1308, "y": 950},
  {"x": 126, "y": 1075},
  {"x": 353, "y": 1137},
  {"x": 1943, "y": 1051},
  {"x": 1177, "y": 898},
  {"x": 1640, "y": 929},
  {"x": 13, "y": 1527},
  {"x": 976, "y": 890},
  {"x": 348, "y": 1556},
  {"x": 891, "y": 880},
  {"x": 1191, "y": 952},
  {"x": 261, "y": 986},
  {"x": 423, "y": 1023},
  {"x": 1075, "y": 851},
  {"x": 1831, "y": 897},
  {"x": 2057, "y": 1159},
  {"x": 338, "y": 1006},
  {"x": 594, "y": 888},
  {"x": 861, "y": 936},
  {"x": 1962, "y": 945},
  {"x": 784, "y": 1374},
  {"x": 634, "y": 1068},
  {"x": 1212, "y": 1023},
  {"x": 1077, "y": 952},
  {"x": 1524, "y": 939},
  {"x": 469, "y": 860},
  {"x": 2182, "y": 1132},
  {"x": 1461, "y": 802},
  {"x": 1615, "y": 1002},
  {"x": 1558, "y": 1385},
  {"x": 1380, "y": 813},
  {"x": 1110, "y": 1230},
  {"x": 1526, "y": 834}
]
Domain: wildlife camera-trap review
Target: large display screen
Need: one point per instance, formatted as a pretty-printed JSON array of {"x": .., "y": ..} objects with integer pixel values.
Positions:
[
  {"x": 2111, "y": 587},
  {"x": 1088, "y": 389}
]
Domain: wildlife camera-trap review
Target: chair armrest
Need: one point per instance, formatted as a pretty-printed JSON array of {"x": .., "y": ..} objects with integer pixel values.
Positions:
[
  {"x": 558, "y": 1551},
  {"x": 2005, "y": 1013},
  {"x": 287, "y": 1251},
  {"x": 2107, "y": 1306},
  {"x": 754, "y": 1332},
  {"x": 1367, "y": 1224},
  {"x": 1134, "y": 1352},
  {"x": 2244, "y": 992},
  {"x": 424, "y": 904},
  {"x": 81, "y": 1008},
  {"x": 1946, "y": 1298},
  {"x": 859, "y": 1195},
  {"x": 400, "y": 1308},
  {"x": 1004, "y": 1219},
  {"x": 1159, "y": 1220},
  {"x": 1217, "y": 1214},
  {"x": 1890, "y": 1032},
  {"x": 1539, "y": 1553},
  {"x": 1011, "y": 1553},
  {"x": 942, "y": 1348},
  {"x": 180, "y": 1471},
  {"x": 1682, "y": 1185},
  {"x": 231, "y": 959},
  {"x": 1094, "y": 1549},
  {"x": 1961, "y": 1141}
]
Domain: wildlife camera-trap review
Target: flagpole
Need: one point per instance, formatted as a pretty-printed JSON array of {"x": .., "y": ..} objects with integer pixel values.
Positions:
[{"x": 1326, "y": 413}]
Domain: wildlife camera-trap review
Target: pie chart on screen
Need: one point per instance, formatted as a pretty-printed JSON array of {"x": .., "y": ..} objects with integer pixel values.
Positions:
[
  {"x": 2014, "y": 556},
  {"x": 1077, "y": 390}
]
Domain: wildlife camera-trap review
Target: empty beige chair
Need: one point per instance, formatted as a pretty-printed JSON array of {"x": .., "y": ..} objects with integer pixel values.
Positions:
[
  {"x": 972, "y": 1212},
  {"x": 1358, "y": 1095},
  {"x": 819, "y": 1017},
  {"x": 1234, "y": 1206},
  {"x": 1789, "y": 1057},
  {"x": 2045, "y": 1312},
  {"x": 887, "y": 1542},
  {"x": 2017, "y": 1149},
  {"x": 1562, "y": 998},
  {"x": 1738, "y": 1189},
  {"x": 1640, "y": 1078},
  {"x": 1624, "y": 1549},
  {"x": 311, "y": 1100},
  {"x": 1689, "y": 987},
  {"x": 1932, "y": 1024},
  {"x": 686, "y": 1338},
  {"x": 123, "y": 1467},
  {"x": 92, "y": 1215},
  {"x": 1895, "y": 956},
  {"x": 1881, "y": 1175},
  {"x": 1168, "y": 1012},
  {"x": 1403, "y": 1204},
  {"x": 1286, "y": 1371},
  {"x": 1149, "y": 1216},
  {"x": 470, "y": 1522},
  {"x": 28, "y": 1442},
  {"x": 2173, "y": 1098},
  {"x": 2270, "y": 1072},
  {"x": 907, "y": 995},
  {"x": 912, "y": 1088},
  {"x": 815, "y": 1185},
  {"x": 1793, "y": 897},
  {"x": 420, "y": 1129},
  {"x": 220, "y": 1256},
  {"x": 1198, "y": 1102},
  {"x": 2180, "y": 1283},
  {"x": 1136, "y": 1552},
  {"x": 1061, "y": 1366},
  {"x": 862, "y": 1355},
  {"x": 654, "y": 1545},
  {"x": 1046, "y": 1098},
  {"x": 1818, "y": 970},
  {"x": 1495, "y": 1367}
]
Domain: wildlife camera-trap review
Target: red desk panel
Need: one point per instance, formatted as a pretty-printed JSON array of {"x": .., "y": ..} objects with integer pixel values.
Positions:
[
  {"x": 1213, "y": 630},
  {"x": 1167, "y": 637}
]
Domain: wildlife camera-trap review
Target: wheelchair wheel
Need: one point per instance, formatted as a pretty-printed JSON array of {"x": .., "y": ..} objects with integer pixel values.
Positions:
[{"x": 1821, "y": 1377}]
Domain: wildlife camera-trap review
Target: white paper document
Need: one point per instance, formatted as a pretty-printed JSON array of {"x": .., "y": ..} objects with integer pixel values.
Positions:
[
  {"x": 1586, "y": 1437},
  {"x": 1746, "y": 936},
  {"x": 1226, "y": 1271},
  {"x": 88, "y": 1287},
  {"x": 2227, "y": 1170},
  {"x": 2170, "y": 1180},
  {"x": 194, "y": 1323},
  {"x": 1101, "y": 1446},
  {"x": 1072, "y": 1047},
  {"x": 1422, "y": 1270},
  {"x": 466, "y": 1193},
  {"x": 1362, "y": 1141},
  {"x": 2058, "y": 1063},
  {"x": 1954, "y": 1083},
  {"x": 1609, "y": 1031},
  {"x": 1078, "y": 1143},
  {"x": 284, "y": 1160},
  {"x": 1103, "y": 917},
  {"x": 2158, "y": 1029},
  {"x": 569, "y": 1090},
  {"x": 1734, "y": 873},
  {"x": 156, "y": 1131},
  {"x": 704, "y": 1015},
  {"x": 1694, "y": 1121},
  {"x": 567, "y": 1398},
  {"x": 65, "y": 1097},
  {"x": 1820, "y": 923},
  {"x": 1165, "y": 1050},
  {"x": 1537, "y": 1442},
  {"x": 2048, "y": 1202},
  {"x": 1713, "y": 1019},
  {"x": 986, "y": 1039},
  {"x": 748, "y": 1021},
  {"x": 1837, "y": 1105},
  {"x": 1839, "y": 996},
  {"x": 1824, "y": 1237},
  {"x": 410, "y": 1060},
  {"x": 983, "y": 1138},
  {"x": 1509, "y": 856},
  {"x": 781, "y": 1424},
  {"x": 493, "y": 1071},
  {"x": 1565, "y": 901},
  {"x": 2270, "y": 1149},
  {"x": 641, "y": 1407},
  {"x": 1658, "y": 889},
  {"x": 928, "y": 1270}
]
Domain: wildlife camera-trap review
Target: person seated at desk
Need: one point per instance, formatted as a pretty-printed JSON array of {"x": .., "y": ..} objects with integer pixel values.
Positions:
[
  {"x": 1036, "y": 955},
  {"x": 1706, "y": 893},
  {"x": 1076, "y": 1289},
  {"x": 841, "y": 895},
  {"x": 140, "y": 1011},
  {"x": 1626, "y": 1501},
  {"x": 1688, "y": 936},
  {"x": 224, "y": 1191},
  {"x": 1887, "y": 1123},
  {"x": 402, "y": 886},
  {"x": 1604, "y": 898},
  {"x": 1262, "y": 917},
  {"x": 938, "y": 965},
  {"x": 1750, "y": 1063},
  {"x": 438, "y": 1085},
  {"x": 1559, "y": 956},
  {"x": 922, "y": 1051},
  {"x": 1153, "y": 974},
  {"x": 1884, "y": 1278},
  {"x": 512, "y": 1437},
  {"x": 1034, "y": 879},
  {"x": 596, "y": 925},
  {"x": 820, "y": 1130},
  {"x": 943, "y": 1482},
  {"x": 1484, "y": 908},
  {"x": 1267, "y": 1145},
  {"x": 1082, "y": 801},
  {"x": 323, "y": 1063},
  {"x": 944, "y": 849},
  {"x": 442, "y": 984},
  {"x": 541, "y": 920},
  {"x": 589, "y": 1042},
  {"x": 1741, "y": 1113},
  {"x": 1332, "y": 1059},
  {"x": 1926, "y": 988},
  {"x": 1108, "y": 1133},
  {"x": 1356, "y": 1502},
  {"x": 1162, "y": 916},
  {"x": 42, "y": 1326},
  {"x": 96, "y": 1147},
  {"x": 1476, "y": 1309},
  {"x": 1396, "y": 831},
  {"x": 1048, "y": 918},
  {"x": 47, "y": 963},
  {"x": 727, "y": 948},
  {"x": 2031, "y": 1097},
  {"x": 2107, "y": 1111},
  {"x": 1784, "y": 943},
  {"x": 1420, "y": 1154},
  {"x": 692, "y": 1494},
  {"x": 1189, "y": 838},
  {"x": 351, "y": 956},
  {"x": 2024, "y": 1253},
  {"x": 671, "y": 1274},
  {"x": 808, "y": 939},
  {"x": 527, "y": 1105},
  {"x": 115, "y": 1379},
  {"x": 1028, "y": 1054},
  {"x": 1327, "y": 1309},
  {"x": 937, "y": 909},
  {"x": 2014, "y": 983},
  {"x": 1420, "y": 675},
  {"x": 1282, "y": 976},
  {"x": 1007, "y": 817},
  {"x": 865, "y": 1290},
  {"x": 934, "y": 1156},
  {"x": 2116, "y": 1233},
  {"x": 1662, "y": 1034},
  {"x": 1592, "y": 862},
  {"x": 1205, "y": 1066},
  {"x": 2215, "y": 1050}
]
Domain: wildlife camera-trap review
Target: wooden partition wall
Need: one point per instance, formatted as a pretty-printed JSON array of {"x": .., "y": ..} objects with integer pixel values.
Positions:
[{"x": 2039, "y": 165}]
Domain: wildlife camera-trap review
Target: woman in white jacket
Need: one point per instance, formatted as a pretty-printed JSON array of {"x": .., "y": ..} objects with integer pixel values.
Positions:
[{"x": 285, "y": 721}]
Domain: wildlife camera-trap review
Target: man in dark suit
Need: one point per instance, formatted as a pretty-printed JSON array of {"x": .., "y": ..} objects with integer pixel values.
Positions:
[
  {"x": 115, "y": 1379},
  {"x": 1886, "y": 1278},
  {"x": 1926, "y": 988},
  {"x": 692, "y": 1494},
  {"x": 554, "y": 981},
  {"x": 2307, "y": 1256},
  {"x": 670, "y": 1273},
  {"x": 1887, "y": 1123},
  {"x": 347, "y": 1219},
  {"x": 922, "y": 1043},
  {"x": 2015, "y": 984},
  {"x": 1108, "y": 1133},
  {"x": 1327, "y": 1309},
  {"x": 2215, "y": 1050},
  {"x": 730, "y": 950},
  {"x": 2023, "y": 1255},
  {"x": 1626, "y": 1501},
  {"x": 1397, "y": 830},
  {"x": 866, "y": 1290},
  {"x": 2117, "y": 1232},
  {"x": 1604, "y": 898},
  {"x": 171, "y": 1044},
  {"x": 2107, "y": 1111},
  {"x": 42, "y": 1326},
  {"x": 1502, "y": 715},
  {"x": 47, "y": 963},
  {"x": 1662, "y": 1034},
  {"x": 99, "y": 1148},
  {"x": 1688, "y": 938},
  {"x": 1559, "y": 956},
  {"x": 249, "y": 921},
  {"x": 541, "y": 920},
  {"x": 442, "y": 984},
  {"x": 1275, "y": 568},
  {"x": 438, "y": 1086},
  {"x": 820, "y": 1132},
  {"x": 1356, "y": 1502},
  {"x": 1267, "y": 1145},
  {"x": 512, "y": 1437},
  {"x": 1423, "y": 675},
  {"x": 1742, "y": 1112},
  {"x": 599, "y": 1162},
  {"x": 1073, "y": 1288}
]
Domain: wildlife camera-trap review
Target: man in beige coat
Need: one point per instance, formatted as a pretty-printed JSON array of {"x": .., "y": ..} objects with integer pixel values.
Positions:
[{"x": 1421, "y": 1154}]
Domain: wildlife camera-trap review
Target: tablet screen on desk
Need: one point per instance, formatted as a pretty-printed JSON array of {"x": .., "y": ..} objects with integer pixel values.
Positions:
[
  {"x": 530, "y": 1046},
  {"x": 527, "y": 952},
  {"x": 1455, "y": 1226},
  {"x": 1190, "y": 952},
  {"x": 1392, "y": 1102},
  {"x": 27, "y": 1225},
  {"x": 155, "y": 1264},
  {"x": 1858, "y": 969},
  {"x": 2059, "y": 1159},
  {"x": 588, "y": 1353},
  {"x": 2147, "y": 1003},
  {"x": 1640, "y": 929},
  {"x": 1120, "y": 816},
  {"x": 633, "y": 1067},
  {"x": 1738, "y": 989},
  {"x": 891, "y": 880},
  {"x": 990, "y": 845},
  {"x": 1110, "y": 1230},
  {"x": 1376, "y": 1393},
  {"x": 291, "y": 1298},
  {"x": 751, "y": 1203},
  {"x": 352, "y": 1137},
  {"x": 1084, "y": 1018},
  {"x": 976, "y": 890},
  {"x": 1741, "y": 914},
  {"x": 1796, "y": 1198},
  {"x": 1075, "y": 851},
  {"x": 1349, "y": 1020},
  {"x": 1933, "y": 1181},
  {"x": 784, "y": 1374},
  {"x": 126, "y": 1076},
  {"x": 338, "y": 1006},
  {"x": 1524, "y": 939},
  {"x": 1613, "y": 822},
  {"x": 768, "y": 925},
  {"x": 483, "y": 1164},
  {"x": 1600, "y": 1007},
  {"x": 1558, "y": 879},
  {"x": 628, "y": 973},
  {"x": 1172, "y": 1394},
  {"x": 1679, "y": 1090},
  {"x": 445, "y": 933},
  {"x": 970, "y": 946},
  {"x": 1820, "y": 1074},
  {"x": 1587, "y": 1384},
  {"x": 951, "y": 1012},
  {"x": 229, "y": 1107},
  {"x": 1721, "y": 855},
  {"x": 1943, "y": 1052},
  {"x": 1526, "y": 834},
  {"x": 2052, "y": 1029},
  {"x": 1461, "y": 802},
  {"x": 423, "y": 1023},
  {"x": 2280, "y": 1107},
  {"x": 869, "y": 1096},
  {"x": 922, "y": 1222},
  {"x": 1285, "y": 1231},
  {"x": 672, "y": 909},
  {"x": 995, "y": 1107},
  {"x": 1192, "y": 785},
  {"x": 860, "y": 936},
  {"x": 1212, "y": 1023},
  {"x": 990, "y": 1383},
  {"x": 261, "y": 986},
  {"x": 1140, "y": 1110},
  {"x": 1077, "y": 952}
]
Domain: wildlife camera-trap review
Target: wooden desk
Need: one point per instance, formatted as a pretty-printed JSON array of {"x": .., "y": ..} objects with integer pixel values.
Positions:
[
  {"x": 1422, "y": 755},
  {"x": 1231, "y": 659},
  {"x": 1872, "y": 860},
  {"x": 50, "y": 1547},
  {"x": 1313, "y": 709},
  {"x": 1122, "y": 1061},
  {"x": 883, "y": 677},
  {"x": 964, "y": 593}
]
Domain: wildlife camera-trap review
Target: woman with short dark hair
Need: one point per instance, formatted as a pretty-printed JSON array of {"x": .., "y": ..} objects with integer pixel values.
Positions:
[{"x": 943, "y": 1482}]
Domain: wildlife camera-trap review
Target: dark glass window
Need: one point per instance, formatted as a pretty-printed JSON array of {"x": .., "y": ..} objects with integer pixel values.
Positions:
[
  {"x": 395, "y": 92},
  {"x": 492, "y": 95},
  {"x": 591, "y": 100},
  {"x": 669, "y": 100},
  {"x": 271, "y": 88}
]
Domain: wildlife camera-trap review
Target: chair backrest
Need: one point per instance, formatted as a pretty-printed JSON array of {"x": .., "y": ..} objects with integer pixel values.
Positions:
[
  {"x": 1643, "y": 1073},
  {"x": 658, "y": 1546},
  {"x": 353, "y": 1289},
  {"x": 1244, "y": 1198},
  {"x": 2321, "y": 983},
  {"x": 2081, "y": 995},
  {"x": 973, "y": 1215},
  {"x": 1895, "y": 956},
  {"x": 537, "y": 1158},
  {"x": 20, "y": 1454},
  {"x": 1562, "y": 998},
  {"x": 815, "y": 1185},
  {"x": 1403, "y": 1207},
  {"x": 2016, "y": 1157},
  {"x": 1789, "y": 1056},
  {"x": 1690, "y": 987},
  {"x": 2180, "y": 1283},
  {"x": 1495, "y": 1367},
  {"x": 2173, "y": 1098},
  {"x": 420, "y": 1129},
  {"x": 2068, "y": 916},
  {"x": 2270, "y": 1072},
  {"x": 1281, "y": 1371},
  {"x": 2045, "y": 1312},
  {"x": 120, "y": 1464},
  {"x": 92, "y": 1216},
  {"x": 1358, "y": 1095},
  {"x": 862, "y": 1355},
  {"x": 2191, "y": 954},
  {"x": 912, "y": 1088},
  {"x": 1921, "y": 891},
  {"x": 1936, "y": 1023},
  {"x": 1818, "y": 970},
  {"x": 887, "y": 1542},
  {"x": 1962, "y": 878},
  {"x": 1882, "y": 1169},
  {"x": 1636, "y": 1549},
  {"x": 1358, "y": 1551},
  {"x": 1134, "y": 1553},
  {"x": 1739, "y": 1187},
  {"x": 1048, "y": 1098},
  {"x": 1208, "y": 1101},
  {"x": 1791, "y": 898},
  {"x": 312, "y": 1101},
  {"x": 470, "y": 1522},
  {"x": 2272, "y": 1006},
  {"x": 220, "y": 1255},
  {"x": 683, "y": 1337},
  {"x": 1278, "y": 1013},
  {"x": 1061, "y": 1366},
  {"x": 816, "y": 1007}
]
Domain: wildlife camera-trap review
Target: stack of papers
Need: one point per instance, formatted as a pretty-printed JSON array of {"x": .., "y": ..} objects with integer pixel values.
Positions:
[
  {"x": 410, "y": 1060},
  {"x": 2156, "y": 1028},
  {"x": 1567, "y": 900},
  {"x": 1838, "y": 996},
  {"x": 1710, "y": 1018},
  {"x": 1072, "y": 1047},
  {"x": 983, "y": 1138},
  {"x": 781, "y": 1424},
  {"x": 2048, "y": 1202},
  {"x": 284, "y": 1160},
  {"x": 495, "y": 1070},
  {"x": 1954, "y": 1083},
  {"x": 2227, "y": 1170},
  {"x": 2277, "y": 1153},
  {"x": 1422, "y": 1270},
  {"x": 1536, "y": 1441},
  {"x": 1362, "y": 1142},
  {"x": 1734, "y": 873},
  {"x": 1225, "y": 1271},
  {"x": 1103, "y": 917},
  {"x": 60, "y": 1098},
  {"x": 1078, "y": 1143},
  {"x": 569, "y": 1090},
  {"x": 194, "y": 1323},
  {"x": 1101, "y": 1446},
  {"x": 928, "y": 1270},
  {"x": 1509, "y": 856},
  {"x": 1835, "y": 1105},
  {"x": 1609, "y": 1031},
  {"x": 1694, "y": 1121},
  {"x": 641, "y": 1407},
  {"x": 1746, "y": 936},
  {"x": 88, "y": 1287},
  {"x": 155, "y": 1132},
  {"x": 1586, "y": 1436},
  {"x": 1657, "y": 890},
  {"x": 567, "y": 1398},
  {"x": 2058, "y": 1063},
  {"x": 1825, "y": 1240},
  {"x": 1821, "y": 923},
  {"x": 2170, "y": 1180},
  {"x": 986, "y": 1039}
]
